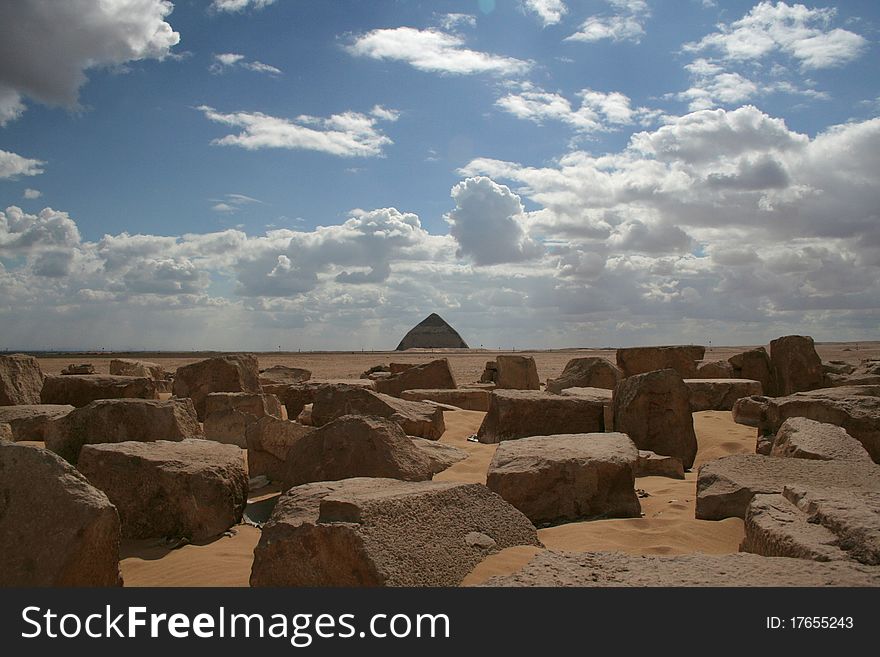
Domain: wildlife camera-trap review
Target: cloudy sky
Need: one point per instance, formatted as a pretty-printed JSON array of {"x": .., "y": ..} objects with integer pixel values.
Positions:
[{"x": 322, "y": 174}]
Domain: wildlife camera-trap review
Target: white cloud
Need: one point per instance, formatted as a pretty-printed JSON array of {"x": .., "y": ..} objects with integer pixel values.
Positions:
[
  {"x": 350, "y": 134},
  {"x": 224, "y": 61},
  {"x": 549, "y": 11},
  {"x": 433, "y": 51},
  {"x": 13, "y": 165},
  {"x": 451, "y": 22},
  {"x": 802, "y": 33},
  {"x": 627, "y": 23},
  {"x": 32, "y": 193},
  {"x": 62, "y": 40},
  {"x": 231, "y": 6},
  {"x": 231, "y": 203}
]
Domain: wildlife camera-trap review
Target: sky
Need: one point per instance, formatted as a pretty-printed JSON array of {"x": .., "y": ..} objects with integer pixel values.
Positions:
[{"x": 323, "y": 174}]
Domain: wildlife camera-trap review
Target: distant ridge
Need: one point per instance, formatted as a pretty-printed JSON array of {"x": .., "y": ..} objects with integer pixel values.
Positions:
[{"x": 433, "y": 332}]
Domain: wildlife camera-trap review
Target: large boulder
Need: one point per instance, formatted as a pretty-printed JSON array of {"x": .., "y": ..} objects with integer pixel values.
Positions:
[
  {"x": 517, "y": 373},
  {"x": 586, "y": 373},
  {"x": 81, "y": 390},
  {"x": 720, "y": 394},
  {"x": 295, "y": 396},
  {"x": 228, "y": 414},
  {"x": 754, "y": 364},
  {"x": 582, "y": 569},
  {"x": 749, "y": 410},
  {"x": 268, "y": 441},
  {"x": 6, "y": 435},
  {"x": 650, "y": 464},
  {"x": 384, "y": 532},
  {"x": 801, "y": 438},
  {"x": 32, "y": 421},
  {"x": 433, "y": 375},
  {"x": 196, "y": 489},
  {"x": 567, "y": 477},
  {"x": 465, "y": 399},
  {"x": 415, "y": 418},
  {"x": 56, "y": 529},
  {"x": 356, "y": 446},
  {"x": 639, "y": 360},
  {"x": 796, "y": 365},
  {"x": 230, "y": 373},
  {"x": 818, "y": 524},
  {"x": 283, "y": 374},
  {"x": 120, "y": 420},
  {"x": 139, "y": 368},
  {"x": 654, "y": 410},
  {"x": 79, "y": 368},
  {"x": 516, "y": 414},
  {"x": 490, "y": 373},
  {"x": 725, "y": 486},
  {"x": 715, "y": 369},
  {"x": 20, "y": 380}
]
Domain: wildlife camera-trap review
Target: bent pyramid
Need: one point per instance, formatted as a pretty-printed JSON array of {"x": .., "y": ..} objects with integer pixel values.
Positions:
[{"x": 432, "y": 333}]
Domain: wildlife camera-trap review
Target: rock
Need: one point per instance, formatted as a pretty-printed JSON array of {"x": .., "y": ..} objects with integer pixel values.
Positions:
[
  {"x": 232, "y": 373},
  {"x": 839, "y": 380},
  {"x": 6, "y": 433},
  {"x": 822, "y": 525},
  {"x": 725, "y": 486},
  {"x": 81, "y": 390},
  {"x": 305, "y": 416},
  {"x": 749, "y": 410},
  {"x": 490, "y": 372},
  {"x": 227, "y": 414},
  {"x": 356, "y": 446},
  {"x": 654, "y": 410},
  {"x": 433, "y": 375},
  {"x": 195, "y": 489},
  {"x": 516, "y": 414},
  {"x": 801, "y": 438},
  {"x": 469, "y": 400},
  {"x": 567, "y": 477},
  {"x": 517, "y": 373},
  {"x": 639, "y": 360},
  {"x": 855, "y": 408},
  {"x": 838, "y": 367},
  {"x": 586, "y": 373},
  {"x": 295, "y": 397},
  {"x": 754, "y": 365},
  {"x": 432, "y": 333},
  {"x": 55, "y": 528},
  {"x": 121, "y": 420},
  {"x": 20, "y": 380},
  {"x": 598, "y": 395},
  {"x": 715, "y": 369},
  {"x": 82, "y": 368},
  {"x": 31, "y": 421},
  {"x": 439, "y": 454},
  {"x": 415, "y": 418},
  {"x": 720, "y": 394},
  {"x": 650, "y": 464},
  {"x": 282, "y": 374},
  {"x": 383, "y": 370},
  {"x": 139, "y": 368},
  {"x": 796, "y": 365},
  {"x": 268, "y": 441},
  {"x": 581, "y": 569},
  {"x": 399, "y": 368},
  {"x": 384, "y": 532}
]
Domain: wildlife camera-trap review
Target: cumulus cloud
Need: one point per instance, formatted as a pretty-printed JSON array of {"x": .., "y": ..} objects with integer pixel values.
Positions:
[
  {"x": 13, "y": 165},
  {"x": 549, "y": 11},
  {"x": 31, "y": 194},
  {"x": 451, "y": 22},
  {"x": 626, "y": 22},
  {"x": 63, "y": 40},
  {"x": 350, "y": 134},
  {"x": 433, "y": 51},
  {"x": 228, "y": 60}
]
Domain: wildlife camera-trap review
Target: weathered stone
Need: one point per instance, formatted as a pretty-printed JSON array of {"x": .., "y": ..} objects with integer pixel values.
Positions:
[
  {"x": 598, "y": 395},
  {"x": 605, "y": 569},
  {"x": 754, "y": 364},
  {"x": 796, "y": 365},
  {"x": 384, "y": 532},
  {"x": 749, "y": 410},
  {"x": 433, "y": 375},
  {"x": 517, "y": 373},
  {"x": 227, "y": 414},
  {"x": 20, "y": 380},
  {"x": 586, "y": 373},
  {"x": 81, "y": 368},
  {"x": 376, "y": 371},
  {"x": 516, "y": 414},
  {"x": 439, "y": 454},
  {"x": 415, "y": 418},
  {"x": 231, "y": 373},
  {"x": 81, "y": 390},
  {"x": 801, "y": 438},
  {"x": 268, "y": 440},
  {"x": 195, "y": 489},
  {"x": 432, "y": 333},
  {"x": 715, "y": 369},
  {"x": 468, "y": 400},
  {"x": 139, "y": 368},
  {"x": 55, "y": 528},
  {"x": 720, "y": 394},
  {"x": 650, "y": 464},
  {"x": 283, "y": 374},
  {"x": 840, "y": 380},
  {"x": 639, "y": 360},
  {"x": 490, "y": 373},
  {"x": 567, "y": 477},
  {"x": 6, "y": 433},
  {"x": 654, "y": 410},
  {"x": 31, "y": 421},
  {"x": 119, "y": 420},
  {"x": 725, "y": 486},
  {"x": 398, "y": 368},
  {"x": 294, "y": 397}
]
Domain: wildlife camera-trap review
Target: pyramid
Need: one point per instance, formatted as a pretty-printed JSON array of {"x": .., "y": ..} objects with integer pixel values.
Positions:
[{"x": 432, "y": 333}]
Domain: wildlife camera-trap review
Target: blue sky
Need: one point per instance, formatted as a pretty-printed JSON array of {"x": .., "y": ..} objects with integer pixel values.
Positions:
[{"x": 543, "y": 173}]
